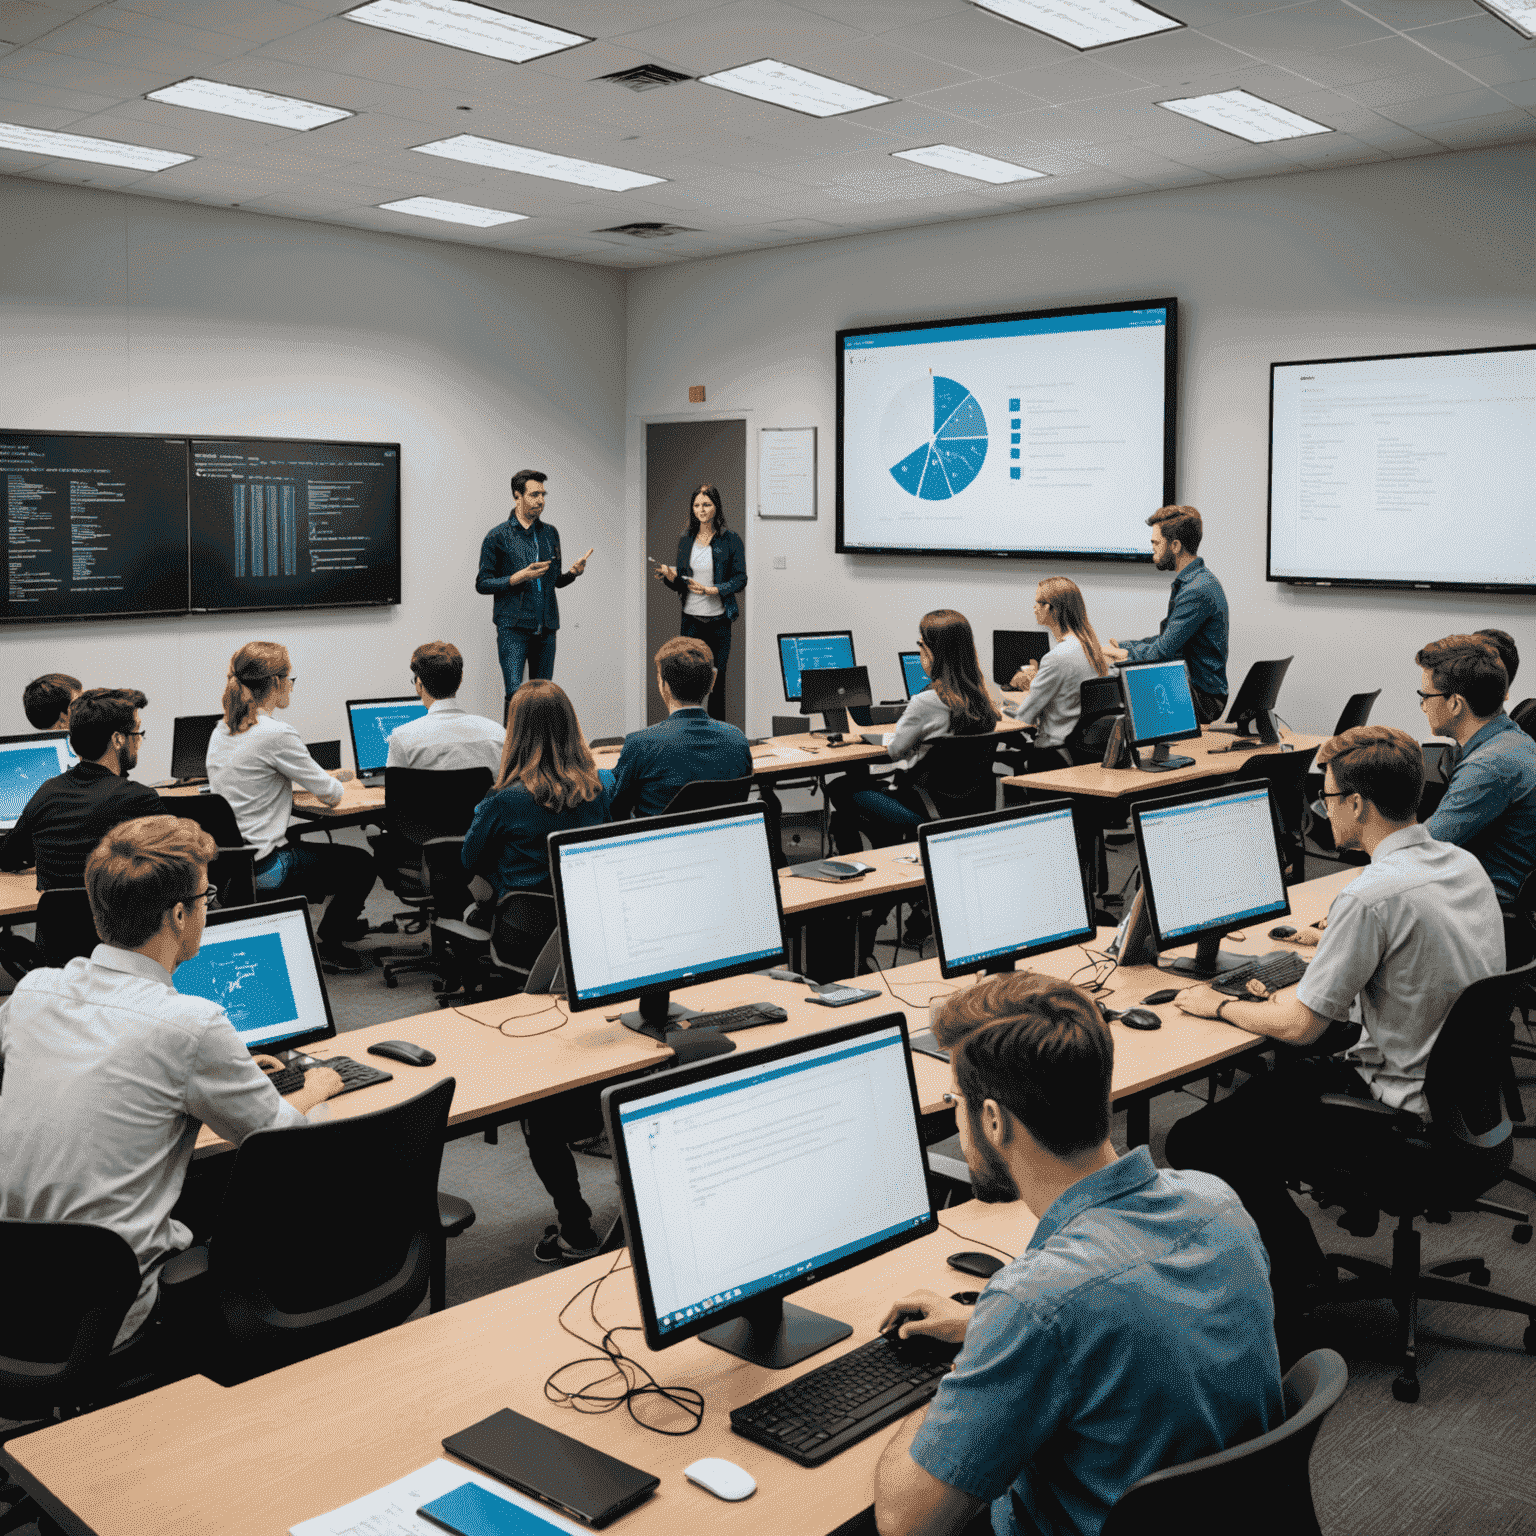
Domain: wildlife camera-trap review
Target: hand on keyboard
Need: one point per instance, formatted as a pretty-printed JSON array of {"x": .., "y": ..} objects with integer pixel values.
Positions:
[{"x": 928, "y": 1314}]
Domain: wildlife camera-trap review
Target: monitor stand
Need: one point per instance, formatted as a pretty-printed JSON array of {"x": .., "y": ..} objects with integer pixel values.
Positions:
[
  {"x": 1208, "y": 961},
  {"x": 1160, "y": 761},
  {"x": 656, "y": 1016},
  {"x": 834, "y": 722},
  {"x": 776, "y": 1334},
  {"x": 1268, "y": 727}
]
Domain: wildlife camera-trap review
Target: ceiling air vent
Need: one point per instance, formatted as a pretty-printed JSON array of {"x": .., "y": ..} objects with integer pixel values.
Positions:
[
  {"x": 647, "y": 231},
  {"x": 645, "y": 77}
]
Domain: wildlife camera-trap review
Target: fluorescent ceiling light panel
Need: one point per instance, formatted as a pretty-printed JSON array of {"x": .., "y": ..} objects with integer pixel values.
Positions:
[
  {"x": 536, "y": 162},
  {"x": 254, "y": 106},
  {"x": 1520, "y": 14},
  {"x": 474, "y": 28},
  {"x": 1247, "y": 116},
  {"x": 1084, "y": 24},
  {"x": 798, "y": 89},
  {"x": 75, "y": 146},
  {"x": 964, "y": 162},
  {"x": 453, "y": 213}
]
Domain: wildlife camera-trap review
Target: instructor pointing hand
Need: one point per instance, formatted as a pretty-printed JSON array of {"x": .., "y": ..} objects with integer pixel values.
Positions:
[{"x": 520, "y": 567}]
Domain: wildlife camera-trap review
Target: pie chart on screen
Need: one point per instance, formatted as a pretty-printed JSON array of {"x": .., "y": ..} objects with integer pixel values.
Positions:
[{"x": 934, "y": 437}]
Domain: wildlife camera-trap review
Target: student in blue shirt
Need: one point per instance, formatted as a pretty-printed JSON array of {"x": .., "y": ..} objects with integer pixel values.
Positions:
[
  {"x": 1196, "y": 627},
  {"x": 1489, "y": 807},
  {"x": 1134, "y": 1332}
]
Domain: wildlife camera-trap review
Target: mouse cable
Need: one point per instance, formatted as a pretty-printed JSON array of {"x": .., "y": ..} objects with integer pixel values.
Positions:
[
  {"x": 630, "y": 1379},
  {"x": 979, "y": 1242},
  {"x": 554, "y": 1006},
  {"x": 906, "y": 1002},
  {"x": 1096, "y": 958}
]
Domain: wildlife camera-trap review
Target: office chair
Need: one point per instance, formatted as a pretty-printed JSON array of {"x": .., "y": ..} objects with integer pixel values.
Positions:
[
  {"x": 18, "y": 956},
  {"x": 1411, "y": 1167},
  {"x": 1261, "y": 1487},
  {"x": 232, "y": 873},
  {"x": 1524, "y": 715},
  {"x": 65, "y": 927},
  {"x": 281, "y": 1280},
  {"x": 1099, "y": 702},
  {"x": 606, "y": 741},
  {"x": 1286, "y": 773},
  {"x": 522, "y": 926},
  {"x": 701, "y": 794},
  {"x": 454, "y": 947},
  {"x": 955, "y": 776},
  {"x": 798, "y": 725},
  {"x": 1356, "y": 711}
]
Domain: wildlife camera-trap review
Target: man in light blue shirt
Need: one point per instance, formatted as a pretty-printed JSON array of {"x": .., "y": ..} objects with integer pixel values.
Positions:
[
  {"x": 1133, "y": 1333},
  {"x": 1489, "y": 807}
]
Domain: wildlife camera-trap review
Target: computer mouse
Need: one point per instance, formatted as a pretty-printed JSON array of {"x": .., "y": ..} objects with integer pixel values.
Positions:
[
  {"x": 1167, "y": 995},
  {"x": 982, "y": 1265},
  {"x": 403, "y": 1051},
  {"x": 966, "y": 1298},
  {"x": 1140, "y": 1018},
  {"x": 1284, "y": 931},
  {"x": 722, "y": 1478}
]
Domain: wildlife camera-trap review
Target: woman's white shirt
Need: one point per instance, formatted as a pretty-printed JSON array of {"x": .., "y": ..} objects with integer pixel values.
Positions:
[
  {"x": 256, "y": 771},
  {"x": 703, "y": 572}
]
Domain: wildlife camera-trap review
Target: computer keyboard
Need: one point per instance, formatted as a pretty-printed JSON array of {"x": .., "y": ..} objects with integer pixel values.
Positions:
[
  {"x": 1282, "y": 968},
  {"x": 825, "y": 1411},
  {"x": 748, "y": 1016},
  {"x": 353, "y": 1074}
]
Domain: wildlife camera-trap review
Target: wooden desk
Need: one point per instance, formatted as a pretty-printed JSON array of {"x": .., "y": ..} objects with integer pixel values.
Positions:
[
  {"x": 1094, "y": 782},
  {"x": 255, "y": 1459},
  {"x": 358, "y": 803},
  {"x": 18, "y": 896}
]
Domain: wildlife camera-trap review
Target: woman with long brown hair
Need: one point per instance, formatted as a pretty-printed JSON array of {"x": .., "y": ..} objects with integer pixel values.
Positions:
[
  {"x": 254, "y": 761},
  {"x": 955, "y": 703},
  {"x": 711, "y": 569},
  {"x": 1052, "y": 687},
  {"x": 548, "y": 783}
]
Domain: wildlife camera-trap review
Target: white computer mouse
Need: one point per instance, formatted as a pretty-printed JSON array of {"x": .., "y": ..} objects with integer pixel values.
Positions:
[{"x": 722, "y": 1478}]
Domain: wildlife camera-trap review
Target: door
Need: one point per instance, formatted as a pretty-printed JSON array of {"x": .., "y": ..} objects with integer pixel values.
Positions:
[{"x": 680, "y": 456}]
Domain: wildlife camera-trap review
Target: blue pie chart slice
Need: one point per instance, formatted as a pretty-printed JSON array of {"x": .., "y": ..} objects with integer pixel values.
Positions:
[{"x": 947, "y": 463}]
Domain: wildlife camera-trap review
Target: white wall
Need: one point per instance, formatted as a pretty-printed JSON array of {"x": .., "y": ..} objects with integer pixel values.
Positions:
[
  {"x": 1401, "y": 256},
  {"x": 123, "y": 314}
]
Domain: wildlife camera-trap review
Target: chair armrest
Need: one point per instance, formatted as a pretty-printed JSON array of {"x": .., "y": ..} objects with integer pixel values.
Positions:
[
  {"x": 1401, "y": 1119},
  {"x": 463, "y": 931},
  {"x": 186, "y": 1267},
  {"x": 453, "y": 1214}
]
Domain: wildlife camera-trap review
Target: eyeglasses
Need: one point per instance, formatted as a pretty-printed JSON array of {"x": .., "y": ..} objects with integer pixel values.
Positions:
[
  {"x": 1319, "y": 806},
  {"x": 135, "y": 733},
  {"x": 952, "y": 1098},
  {"x": 211, "y": 896},
  {"x": 1422, "y": 696}
]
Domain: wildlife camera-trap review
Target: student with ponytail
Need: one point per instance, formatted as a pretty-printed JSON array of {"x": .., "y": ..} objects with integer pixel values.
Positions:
[
  {"x": 1052, "y": 687},
  {"x": 254, "y": 762}
]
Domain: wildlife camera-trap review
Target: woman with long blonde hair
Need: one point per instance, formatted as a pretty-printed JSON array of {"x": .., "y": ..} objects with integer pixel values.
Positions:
[
  {"x": 254, "y": 761},
  {"x": 1052, "y": 687}
]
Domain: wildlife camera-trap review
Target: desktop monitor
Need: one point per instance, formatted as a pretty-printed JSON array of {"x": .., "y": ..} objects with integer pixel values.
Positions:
[
  {"x": 746, "y": 1178},
  {"x": 1014, "y": 649},
  {"x": 26, "y": 764},
  {"x": 912, "y": 673},
  {"x": 803, "y": 653},
  {"x": 1005, "y": 885},
  {"x": 371, "y": 721},
  {"x": 832, "y": 692},
  {"x": 327, "y": 754},
  {"x": 190, "y": 735},
  {"x": 260, "y": 965},
  {"x": 1256, "y": 700},
  {"x": 1211, "y": 861},
  {"x": 668, "y": 901},
  {"x": 1159, "y": 708}
]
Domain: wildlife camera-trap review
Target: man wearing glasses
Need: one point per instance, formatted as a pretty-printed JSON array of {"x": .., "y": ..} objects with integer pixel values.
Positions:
[
  {"x": 110, "y": 1072},
  {"x": 69, "y": 814},
  {"x": 1404, "y": 939}
]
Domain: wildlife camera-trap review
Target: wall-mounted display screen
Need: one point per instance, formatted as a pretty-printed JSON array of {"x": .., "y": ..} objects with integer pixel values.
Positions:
[
  {"x": 110, "y": 526},
  {"x": 1047, "y": 432},
  {"x": 1417, "y": 470}
]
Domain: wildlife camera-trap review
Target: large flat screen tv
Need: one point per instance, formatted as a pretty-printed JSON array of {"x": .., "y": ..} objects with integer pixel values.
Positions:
[
  {"x": 1047, "y": 432},
  {"x": 1416, "y": 470}
]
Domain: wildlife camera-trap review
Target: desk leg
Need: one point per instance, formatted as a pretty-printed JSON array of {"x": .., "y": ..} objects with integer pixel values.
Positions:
[{"x": 1138, "y": 1121}]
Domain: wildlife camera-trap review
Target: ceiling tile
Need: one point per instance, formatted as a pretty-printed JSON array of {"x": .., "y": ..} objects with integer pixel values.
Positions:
[
  {"x": 878, "y": 16},
  {"x": 1426, "y": 111},
  {"x": 977, "y": 99},
  {"x": 741, "y": 33},
  {"x": 71, "y": 74},
  {"x": 1492, "y": 128},
  {"x": 1070, "y": 80},
  {"x": 1501, "y": 68},
  {"x": 1172, "y": 57},
  {"x": 1402, "y": 14},
  {"x": 981, "y": 43},
  {"x": 1316, "y": 28},
  {"x": 21, "y": 22},
  {"x": 15, "y": 88},
  {"x": 876, "y": 66}
]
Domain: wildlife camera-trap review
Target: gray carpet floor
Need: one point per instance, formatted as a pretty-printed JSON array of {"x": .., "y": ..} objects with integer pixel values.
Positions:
[{"x": 1460, "y": 1462}]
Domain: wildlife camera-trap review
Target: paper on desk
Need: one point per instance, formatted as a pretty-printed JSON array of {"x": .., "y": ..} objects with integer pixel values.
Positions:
[
  {"x": 391, "y": 1510},
  {"x": 786, "y": 754}
]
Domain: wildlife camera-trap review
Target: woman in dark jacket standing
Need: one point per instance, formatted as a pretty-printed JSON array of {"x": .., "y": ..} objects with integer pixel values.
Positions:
[{"x": 711, "y": 569}]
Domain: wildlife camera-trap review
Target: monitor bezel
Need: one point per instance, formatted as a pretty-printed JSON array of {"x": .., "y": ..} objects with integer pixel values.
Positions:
[
  {"x": 1149, "y": 887},
  {"x": 930, "y": 829},
  {"x": 558, "y": 841},
  {"x": 400, "y": 698},
  {"x": 223, "y": 916},
  {"x": 1124, "y": 669},
  {"x": 615, "y": 1098},
  {"x": 901, "y": 661},
  {"x": 805, "y": 634},
  {"x": 32, "y": 739}
]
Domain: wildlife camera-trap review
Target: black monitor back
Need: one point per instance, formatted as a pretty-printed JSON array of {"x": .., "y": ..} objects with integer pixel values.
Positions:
[
  {"x": 189, "y": 745},
  {"x": 834, "y": 688},
  {"x": 1013, "y": 649},
  {"x": 1260, "y": 691}
]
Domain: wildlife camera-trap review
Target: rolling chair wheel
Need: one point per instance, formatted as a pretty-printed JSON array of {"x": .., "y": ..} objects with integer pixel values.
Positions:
[
  {"x": 1480, "y": 1276},
  {"x": 1522, "y": 1233},
  {"x": 1404, "y": 1390},
  {"x": 1530, "y": 1339}
]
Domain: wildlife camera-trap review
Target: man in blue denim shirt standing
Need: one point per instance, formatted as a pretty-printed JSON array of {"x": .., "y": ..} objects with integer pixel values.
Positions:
[
  {"x": 1196, "y": 627},
  {"x": 1489, "y": 807},
  {"x": 1134, "y": 1332},
  {"x": 516, "y": 558}
]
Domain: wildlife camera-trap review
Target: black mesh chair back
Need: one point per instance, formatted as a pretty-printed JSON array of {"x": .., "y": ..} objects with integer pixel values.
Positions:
[
  {"x": 1100, "y": 702},
  {"x": 524, "y": 921},
  {"x": 1356, "y": 712},
  {"x": 447, "y": 880},
  {"x": 1286, "y": 774},
  {"x": 1262, "y": 1487},
  {"x": 1524, "y": 715},
  {"x": 325, "y": 1234},
  {"x": 955, "y": 775},
  {"x": 1469, "y": 1064},
  {"x": 65, "y": 927},
  {"x": 606, "y": 741},
  {"x": 701, "y": 794},
  {"x": 424, "y": 803},
  {"x": 68, "y": 1287},
  {"x": 232, "y": 873}
]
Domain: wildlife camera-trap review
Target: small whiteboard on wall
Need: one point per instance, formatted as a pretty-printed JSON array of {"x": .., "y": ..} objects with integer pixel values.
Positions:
[{"x": 786, "y": 472}]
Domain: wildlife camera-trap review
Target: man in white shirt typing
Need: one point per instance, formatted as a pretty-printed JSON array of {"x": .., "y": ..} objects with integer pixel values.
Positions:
[
  {"x": 110, "y": 1073},
  {"x": 447, "y": 737}
]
